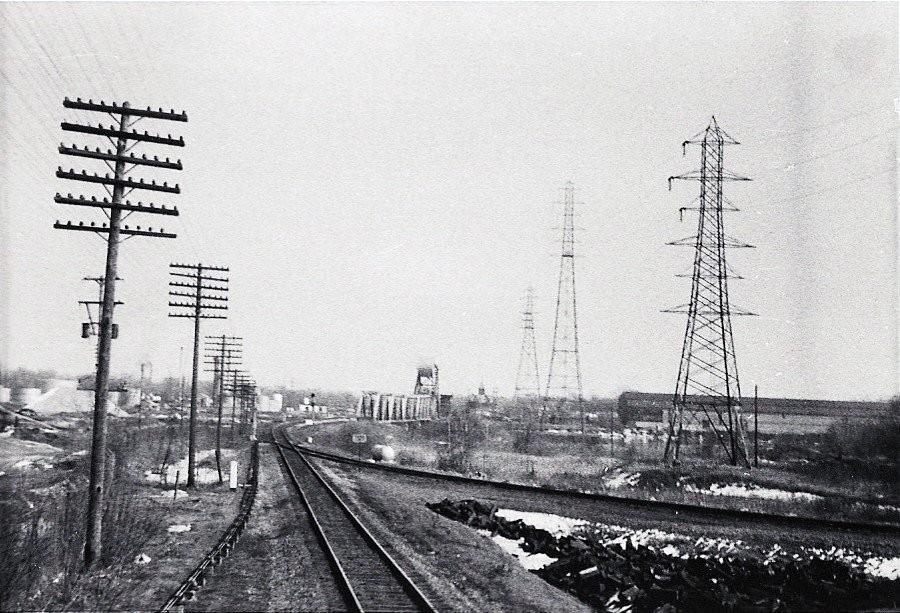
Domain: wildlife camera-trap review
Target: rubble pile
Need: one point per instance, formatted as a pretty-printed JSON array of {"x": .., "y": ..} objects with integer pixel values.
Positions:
[{"x": 616, "y": 573}]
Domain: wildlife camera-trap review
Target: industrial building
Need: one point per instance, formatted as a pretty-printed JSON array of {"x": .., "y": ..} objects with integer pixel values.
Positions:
[{"x": 776, "y": 415}]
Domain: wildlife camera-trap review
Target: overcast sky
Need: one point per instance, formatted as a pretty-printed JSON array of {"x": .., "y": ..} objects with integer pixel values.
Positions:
[{"x": 383, "y": 181}]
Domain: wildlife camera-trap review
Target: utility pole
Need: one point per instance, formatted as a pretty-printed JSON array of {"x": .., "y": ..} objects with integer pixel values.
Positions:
[
  {"x": 235, "y": 387},
  {"x": 755, "y": 425},
  {"x": 224, "y": 351},
  {"x": 564, "y": 374},
  {"x": 707, "y": 373},
  {"x": 201, "y": 298},
  {"x": 121, "y": 162},
  {"x": 181, "y": 376},
  {"x": 245, "y": 390}
]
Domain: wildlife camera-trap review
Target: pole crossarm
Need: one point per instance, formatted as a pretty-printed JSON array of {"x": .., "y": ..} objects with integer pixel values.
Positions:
[
  {"x": 203, "y": 266},
  {"x": 126, "y": 183},
  {"x": 202, "y": 287},
  {"x": 125, "y": 109},
  {"x": 110, "y": 156},
  {"x": 202, "y": 306},
  {"x": 202, "y": 296},
  {"x": 124, "y": 135},
  {"x": 203, "y": 277},
  {"x": 103, "y": 203},
  {"x": 192, "y": 316},
  {"x": 103, "y": 229}
]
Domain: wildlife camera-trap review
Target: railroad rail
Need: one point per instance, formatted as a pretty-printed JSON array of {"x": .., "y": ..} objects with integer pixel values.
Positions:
[
  {"x": 189, "y": 587},
  {"x": 677, "y": 508},
  {"x": 368, "y": 578}
]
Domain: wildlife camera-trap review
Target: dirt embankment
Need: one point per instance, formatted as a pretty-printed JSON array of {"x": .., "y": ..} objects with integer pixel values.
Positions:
[{"x": 457, "y": 569}]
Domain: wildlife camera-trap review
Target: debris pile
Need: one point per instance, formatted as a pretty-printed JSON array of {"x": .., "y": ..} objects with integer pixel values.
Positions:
[{"x": 641, "y": 571}]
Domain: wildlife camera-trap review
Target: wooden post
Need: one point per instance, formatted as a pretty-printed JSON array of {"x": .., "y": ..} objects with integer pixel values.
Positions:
[
  {"x": 755, "y": 425},
  {"x": 192, "y": 428}
]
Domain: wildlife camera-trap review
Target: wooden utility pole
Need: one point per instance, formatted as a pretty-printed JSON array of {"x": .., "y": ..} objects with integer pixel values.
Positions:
[
  {"x": 121, "y": 161},
  {"x": 224, "y": 351},
  {"x": 242, "y": 388},
  {"x": 199, "y": 302},
  {"x": 755, "y": 426}
]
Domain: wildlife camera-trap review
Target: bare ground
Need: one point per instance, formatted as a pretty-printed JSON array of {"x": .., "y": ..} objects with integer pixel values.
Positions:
[
  {"x": 277, "y": 565},
  {"x": 458, "y": 569}
]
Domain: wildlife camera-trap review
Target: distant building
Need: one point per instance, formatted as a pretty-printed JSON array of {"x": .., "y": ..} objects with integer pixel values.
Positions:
[
  {"x": 776, "y": 415},
  {"x": 426, "y": 401}
]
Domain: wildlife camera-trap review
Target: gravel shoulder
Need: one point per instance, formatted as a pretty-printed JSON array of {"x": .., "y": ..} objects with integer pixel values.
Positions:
[{"x": 276, "y": 565}]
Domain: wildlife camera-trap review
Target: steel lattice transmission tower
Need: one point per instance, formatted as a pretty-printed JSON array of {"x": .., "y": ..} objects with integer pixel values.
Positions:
[
  {"x": 708, "y": 389},
  {"x": 564, "y": 373},
  {"x": 528, "y": 379}
]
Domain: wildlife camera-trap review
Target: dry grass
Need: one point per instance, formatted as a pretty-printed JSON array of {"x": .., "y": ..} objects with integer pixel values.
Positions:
[{"x": 43, "y": 518}]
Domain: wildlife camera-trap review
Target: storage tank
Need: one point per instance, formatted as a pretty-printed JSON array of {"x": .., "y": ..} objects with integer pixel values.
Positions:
[
  {"x": 383, "y": 453},
  {"x": 26, "y": 395},
  {"x": 5, "y": 394}
]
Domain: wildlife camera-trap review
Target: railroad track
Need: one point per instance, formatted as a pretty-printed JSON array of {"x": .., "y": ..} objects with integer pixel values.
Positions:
[
  {"x": 368, "y": 578},
  {"x": 687, "y": 512}
]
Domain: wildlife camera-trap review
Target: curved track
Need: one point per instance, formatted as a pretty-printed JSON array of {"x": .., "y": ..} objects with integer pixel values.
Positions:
[
  {"x": 366, "y": 575},
  {"x": 686, "y": 513}
]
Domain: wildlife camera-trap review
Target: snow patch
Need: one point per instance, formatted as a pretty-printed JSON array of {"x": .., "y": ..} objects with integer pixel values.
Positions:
[
  {"x": 556, "y": 525},
  {"x": 681, "y": 546},
  {"x": 750, "y": 490},
  {"x": 620, "y": 480},
  {"x": 176, "y": 528},
  {"x": 202, "y": 474},
  {"x": 529, "y": 561}
]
